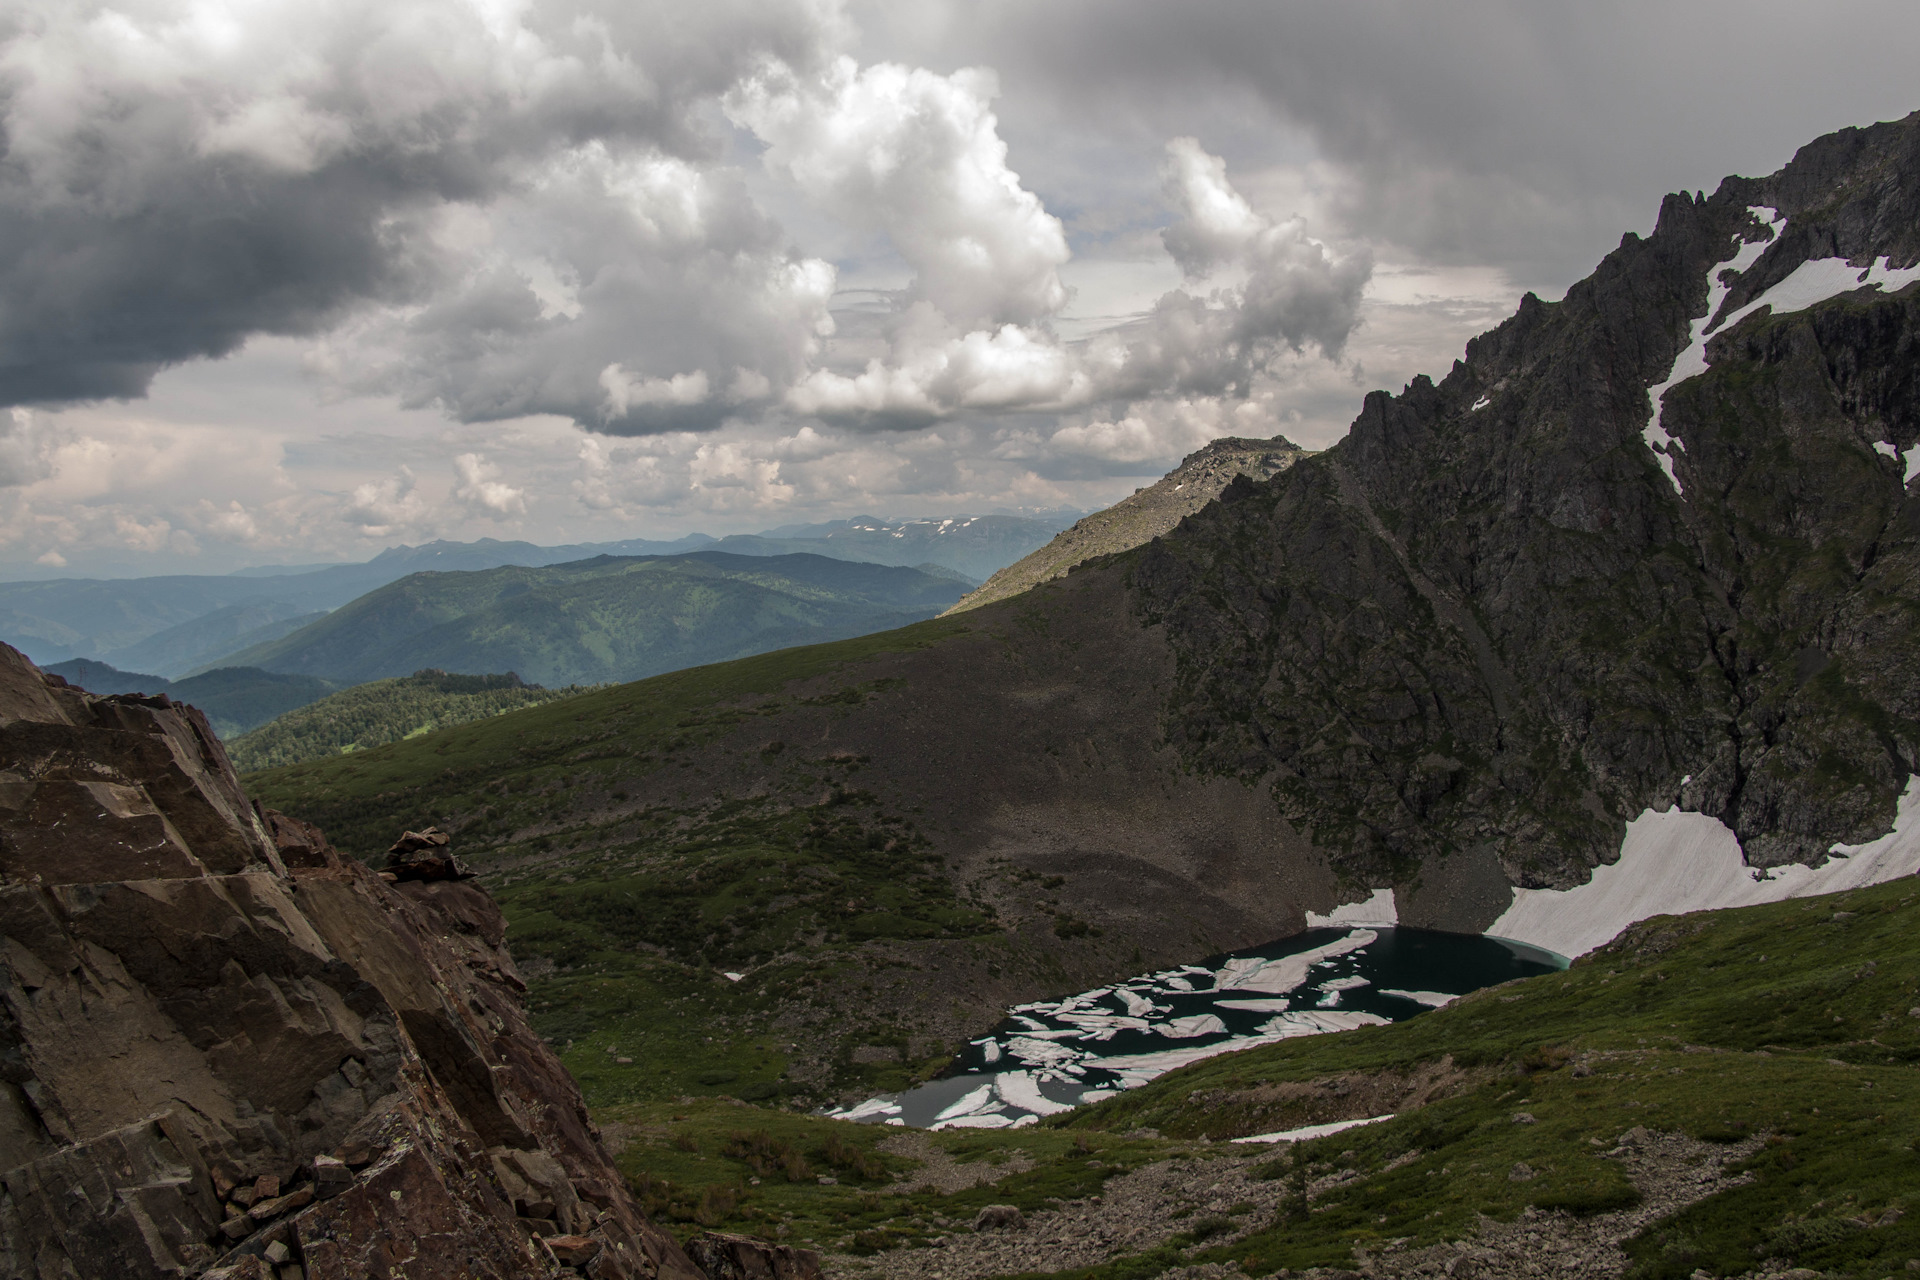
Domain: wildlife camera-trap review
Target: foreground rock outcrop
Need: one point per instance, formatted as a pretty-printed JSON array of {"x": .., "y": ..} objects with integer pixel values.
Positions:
[{"x": 229, "y": 1051}]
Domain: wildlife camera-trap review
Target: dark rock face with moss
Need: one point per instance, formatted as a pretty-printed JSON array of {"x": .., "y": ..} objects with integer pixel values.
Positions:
[{"x": 1484, "y": 626}]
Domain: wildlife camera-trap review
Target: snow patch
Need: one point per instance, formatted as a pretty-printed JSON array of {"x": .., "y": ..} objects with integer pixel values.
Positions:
[
  {"x": 1811, "y": 283},
  {"x": 1377, "y": 909},
  {"x": 1692, "y": 361},
  {"x": 1882, "y": 447},
  {"x": 1312, "y": 1130},
  {"x": 1432, "y": 999},
  {"x": 1673, "y": 863}
]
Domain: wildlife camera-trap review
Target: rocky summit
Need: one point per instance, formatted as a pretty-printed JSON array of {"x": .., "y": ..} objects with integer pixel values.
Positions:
[
  {"x": 1142, "y": 517},
  {"x": 230, "y": 1052}
]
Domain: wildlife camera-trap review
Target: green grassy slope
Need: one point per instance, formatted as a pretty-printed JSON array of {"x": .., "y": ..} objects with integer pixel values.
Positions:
[
  {"x": 626, "y": 919},
  {"x": 605, "y": 619},
  {"x": 382, "y": 711},
  {"x": 1793, "y": 1028},
  {"x": 1798, "y": 1022}
]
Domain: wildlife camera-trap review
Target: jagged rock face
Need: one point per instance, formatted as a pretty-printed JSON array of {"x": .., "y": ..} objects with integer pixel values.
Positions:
[
  {"x": 1485, "y": 629},
  {"x": 1142, "y": 517},
  {"x": 227, "y": 1049}
]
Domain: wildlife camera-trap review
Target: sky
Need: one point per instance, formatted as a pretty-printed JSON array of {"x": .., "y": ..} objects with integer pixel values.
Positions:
[{"x": 290, "y": 282}]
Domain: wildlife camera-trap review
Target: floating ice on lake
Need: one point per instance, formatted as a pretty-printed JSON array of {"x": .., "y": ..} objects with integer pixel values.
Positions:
[
  {"x": 974, "y": 1100},
  {"x": 1287, "y": 973},
  {"x": 871, "y": 1107},
  {"x": 1051, "y": 1055},
  {"x": 1040, "y": 1053},
  {"x": 979, "y": 1122},
  {"x": 1020, "y": 1089},
  {"x": 1199, "y": 1024},
  {"x": 1312, "y": 1022}
]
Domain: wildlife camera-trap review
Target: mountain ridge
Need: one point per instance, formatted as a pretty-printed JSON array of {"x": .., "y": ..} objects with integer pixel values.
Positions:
[
  {"x": 1142, "y": 516},
  {"x": 603, "y": 619},
  {"x": 1451, "y": 656}
]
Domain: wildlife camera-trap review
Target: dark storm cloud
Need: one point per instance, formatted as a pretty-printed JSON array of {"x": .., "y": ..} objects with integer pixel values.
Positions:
[
  {"x": 1516, "y": 133},
  {"x": 174, "y": 182}
]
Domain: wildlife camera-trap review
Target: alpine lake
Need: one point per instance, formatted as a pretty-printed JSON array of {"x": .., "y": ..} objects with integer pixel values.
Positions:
[{"x": 1050, "y": 1057}]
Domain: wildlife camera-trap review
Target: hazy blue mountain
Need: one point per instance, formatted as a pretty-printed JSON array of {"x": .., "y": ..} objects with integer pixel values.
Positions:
[
  {"x": 201, "y": 642},
  {"x": 235, "y": 699},
  {"x": 605, "y": 619},
  {"x": 185, "y": 622},
  {"x": 977, "y": 546}
]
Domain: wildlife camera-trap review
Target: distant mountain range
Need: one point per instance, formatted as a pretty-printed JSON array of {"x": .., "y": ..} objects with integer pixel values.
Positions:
[
  {"x": 180, "y": 624},
  {"x": 235, "y": 699},
  {"x": 605, "y": 619}
]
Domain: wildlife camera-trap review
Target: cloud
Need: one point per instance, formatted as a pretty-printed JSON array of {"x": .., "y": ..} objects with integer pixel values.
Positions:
[
  {"x": 920, "y": 157},
  {"x": 482, "y": 492},
  {"x": 1481, "y": 131},
  {"x": 181, "y": 177},
  {"x": 385, "y": 507},
  {"x": 1287, "y": 290},
  {"x": 27, "y": 446}
]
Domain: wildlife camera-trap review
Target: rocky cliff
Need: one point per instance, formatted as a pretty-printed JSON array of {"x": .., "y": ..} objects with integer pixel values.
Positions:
[
  {"x": 1647, "y": 545},
  {"x": 1452, "y": 654},
  {"x": 1141, "y": 517},
  {"x": 227, "y": 1051}
]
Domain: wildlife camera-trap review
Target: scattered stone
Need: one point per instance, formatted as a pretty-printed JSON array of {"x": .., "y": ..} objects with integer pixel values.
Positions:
[
  {"x": 998, "y": 1217},
  {"x": 1521, "y": 1172},
  {"x": 266, "y": 1186},
  {"x": 238, "y": 1227},
  {"x": 827, "y": 1180},
  {"x": 330, "y": 1176},
  {"x": 574, "y": 1251},
  {"x": 298, "y": 1198},
  {"x": 1638, "y": 1136},
  {"x": 1523, "y": 1117},
  {"x": 276, "y": 1252},
  {"x": 425, "y": 855},
  {"x": 725, "y": 1256}
]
